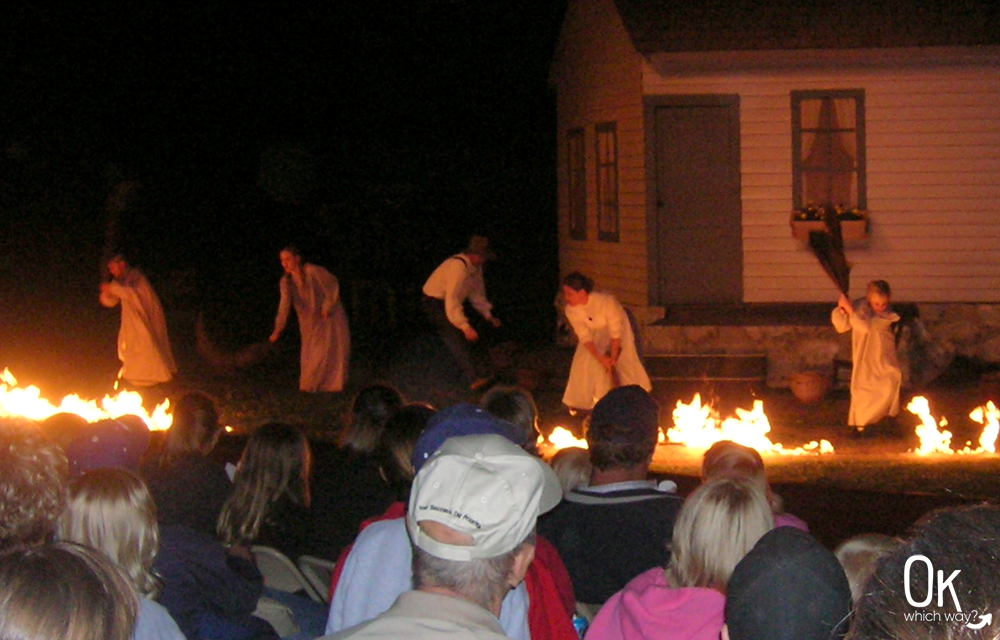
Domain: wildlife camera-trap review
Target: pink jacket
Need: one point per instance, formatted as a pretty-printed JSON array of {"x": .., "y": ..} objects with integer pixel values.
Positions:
[{"x": 647, "y": 608}]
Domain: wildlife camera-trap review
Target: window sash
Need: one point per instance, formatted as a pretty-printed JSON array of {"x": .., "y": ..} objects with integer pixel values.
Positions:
[
  {"x": 607, "y": 181},
  {"x": 577, "y": 184},
  {"x": 828, "y": 149}
]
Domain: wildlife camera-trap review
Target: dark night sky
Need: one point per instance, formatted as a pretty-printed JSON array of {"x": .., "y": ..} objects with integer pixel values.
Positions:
[{"x": 378, "y": 134}]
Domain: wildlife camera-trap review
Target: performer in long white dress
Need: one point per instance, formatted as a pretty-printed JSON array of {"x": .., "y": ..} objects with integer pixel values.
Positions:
[
  {"x": 606, "y": 355},
  {"x": 326, "y": 339},
  {"x": 875, "y": 377},
  {"x": 143, "y": 345}
]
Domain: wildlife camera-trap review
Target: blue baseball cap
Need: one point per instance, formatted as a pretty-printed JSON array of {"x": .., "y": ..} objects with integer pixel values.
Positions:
[{"x": 461, "y": 420}]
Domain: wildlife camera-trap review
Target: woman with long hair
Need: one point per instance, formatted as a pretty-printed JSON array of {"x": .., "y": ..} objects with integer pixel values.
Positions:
[
  {"x": 271, "y": 492},
  {"x": 719, "y": 523},
  {"x": 270, "y": 507},
  {"x": 112, "y": 511}
]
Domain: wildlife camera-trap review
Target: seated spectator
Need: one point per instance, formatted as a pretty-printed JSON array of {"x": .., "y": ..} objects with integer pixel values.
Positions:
[
  {"x": 572, "y": 467},
  {"x": 719, "y": 523},
  {"x": 516, "y": 406},
  {"x": 789, "y": 587},
  {"x": 859, "y": 555},
  {"x": 346, "y": 487},
  {"x": 108, "y": 444},
  {"x": 957, "y": 546},
  {"x": 619, "y": 525},
  {"x": 64, "y": 591},
  {"x": 471, "y": 518},
  {"x": 111, "y": 510},
  {"x": 378, "y": 567},
  {"x": 210, "y": 591},
  {"x": 269, "y": 506},
  {"x": 394, "y": 453},
  {"x": 33, "y": 478},
  {"x": 727, "y": 459},
  {"x": 188, "y": 487},
  {"x": 270, "y": 501}
]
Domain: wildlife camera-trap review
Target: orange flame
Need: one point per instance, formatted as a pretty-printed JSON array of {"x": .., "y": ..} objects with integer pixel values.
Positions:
[
  {"x": 989, "y": 417},
  {"x": 932, "y": 438},
  {"x": 28, "y": 402},
  {"x": 562, "y": 438},
  {"x": 700, "y": 426}
]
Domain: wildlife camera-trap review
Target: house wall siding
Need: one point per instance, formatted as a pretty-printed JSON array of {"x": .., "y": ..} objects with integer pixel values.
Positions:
[
  {"x": 933, "y": 151},
  {"x": 597, "y": 76}
]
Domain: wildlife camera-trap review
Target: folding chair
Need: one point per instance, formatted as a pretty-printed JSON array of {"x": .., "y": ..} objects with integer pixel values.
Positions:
[
  {"x": 281, "y": 573},
  {"x": 319, "y": 573}
]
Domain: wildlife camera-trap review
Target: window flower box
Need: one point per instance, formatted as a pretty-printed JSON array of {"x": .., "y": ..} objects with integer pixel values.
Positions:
[{"x": 853, "y": 222}]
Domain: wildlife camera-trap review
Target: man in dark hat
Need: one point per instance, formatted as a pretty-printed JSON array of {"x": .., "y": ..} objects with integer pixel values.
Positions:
[
  {"x": 618, "y": 526},
  {"x": 457, "y": 279}
]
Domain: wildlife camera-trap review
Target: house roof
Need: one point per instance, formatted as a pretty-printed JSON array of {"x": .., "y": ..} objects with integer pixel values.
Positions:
[{"x": 756, "y": 25}]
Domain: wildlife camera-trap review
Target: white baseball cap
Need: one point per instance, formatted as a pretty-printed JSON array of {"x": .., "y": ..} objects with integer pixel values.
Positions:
[{"x": 486, "y": 487}]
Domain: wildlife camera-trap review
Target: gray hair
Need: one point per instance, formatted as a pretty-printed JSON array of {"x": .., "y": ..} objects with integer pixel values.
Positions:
[{"x": 483, "y": 580}]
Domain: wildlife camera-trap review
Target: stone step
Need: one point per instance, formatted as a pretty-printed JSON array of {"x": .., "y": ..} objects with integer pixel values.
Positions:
[{"x": 750, "y": 367}]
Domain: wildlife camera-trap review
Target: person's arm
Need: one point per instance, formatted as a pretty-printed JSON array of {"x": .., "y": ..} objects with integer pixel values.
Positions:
[
  {"x": 110, "y": 293},
  {"x": 575, "y": 316},
  {"x": 477, "y": 296},
  {"x": 284, "y": 308},
  {"x": 331, "y": 290},
  {"x": 455, "y": 275},
  {"x": 616, "y": 324},
  {"x": 841, "y": 315}
]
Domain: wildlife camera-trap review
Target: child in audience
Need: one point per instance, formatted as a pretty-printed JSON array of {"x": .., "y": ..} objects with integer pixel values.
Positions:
[
  {"x": 727, "y": 459},
  {"x": 270, "y": 507},
  {"x": 875, "y": 377},
  {"x": 572, "y": 467},
  {"x": 859, "y": 555},
  {"x": 111, "y": 510},
  {"x": 718, "y": 524}
]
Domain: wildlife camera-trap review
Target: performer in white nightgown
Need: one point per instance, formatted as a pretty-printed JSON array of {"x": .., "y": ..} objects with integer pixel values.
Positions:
[
  {"x": 143, "y": 345},
  {"x": 606, "y": 355},
  {"x": 875, "y": 376},
  {"x": 326, "y": 339}
]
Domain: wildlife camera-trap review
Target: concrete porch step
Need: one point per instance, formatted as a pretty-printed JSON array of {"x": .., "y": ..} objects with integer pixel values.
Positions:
[{"x": 707, "y": 367}]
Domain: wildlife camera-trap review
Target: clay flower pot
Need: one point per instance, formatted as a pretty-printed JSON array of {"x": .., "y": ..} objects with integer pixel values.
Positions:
[{"x": 809, "y": 386}]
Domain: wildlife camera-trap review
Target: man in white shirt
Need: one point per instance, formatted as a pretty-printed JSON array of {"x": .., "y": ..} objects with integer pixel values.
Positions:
[{"x": 457, "y": 279}]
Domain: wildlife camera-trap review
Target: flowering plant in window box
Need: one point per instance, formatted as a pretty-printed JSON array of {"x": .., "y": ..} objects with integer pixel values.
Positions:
[{"x": 853, "y": 221}]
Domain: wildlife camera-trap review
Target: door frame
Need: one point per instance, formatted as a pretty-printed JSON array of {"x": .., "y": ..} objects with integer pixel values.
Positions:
[{"x": 650, "y": 104}]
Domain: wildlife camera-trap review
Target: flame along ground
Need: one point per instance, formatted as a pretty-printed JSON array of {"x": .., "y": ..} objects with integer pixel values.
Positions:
[
  {"x": 28, "y": 402},
  {"x": 696, "y": 425},
  {"x": 699, "y": 426}
]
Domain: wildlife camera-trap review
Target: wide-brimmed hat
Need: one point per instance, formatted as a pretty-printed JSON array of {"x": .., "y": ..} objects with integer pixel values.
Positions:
[
  {"x": 480, "y": 246},
  {"x": 485, "y": 487}
]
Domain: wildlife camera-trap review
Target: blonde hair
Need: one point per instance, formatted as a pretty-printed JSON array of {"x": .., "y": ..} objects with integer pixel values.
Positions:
[
  {"x": 727, "y": 459},
  {"x": 719, "y": 523},
  {"x": 860, "y": 554},
  {"x": 112, "y": 511},
  {"x": 572, "y": 467},
  {"x": 65, "y": 591},
  {"x": 275, "y": 465}
]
